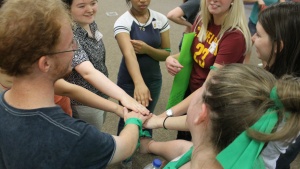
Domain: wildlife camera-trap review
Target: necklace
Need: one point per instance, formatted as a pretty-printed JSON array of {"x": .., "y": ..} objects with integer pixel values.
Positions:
[{"x": 142, "y": 28}]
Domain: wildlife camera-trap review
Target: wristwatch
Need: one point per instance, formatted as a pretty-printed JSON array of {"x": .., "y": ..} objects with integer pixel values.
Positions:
[{"x": 169, "y": 113}]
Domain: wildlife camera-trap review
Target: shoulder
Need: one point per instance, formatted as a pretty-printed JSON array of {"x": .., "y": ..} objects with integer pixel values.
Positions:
[
  {"x": 161, "y": 19},
  {"x": 124, "y": 19},
  {"x": 234, "y": 34},
  {"x": 123, "y": 23}
]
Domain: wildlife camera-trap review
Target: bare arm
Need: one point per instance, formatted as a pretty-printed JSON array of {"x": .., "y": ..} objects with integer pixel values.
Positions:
[
  {"x": 141, "y": 47},
  {"x": 176, "y": 15},
  {"x": 86, "y": 97},
  {"x": 141, "y": 91},
  {"x": 170, "y": 149},
  {"x": 181, "y": 108},
  {"x": 127, "y": 140},
  {"x": 171, "y": 123},
  {"x": 105, "y": 85}
]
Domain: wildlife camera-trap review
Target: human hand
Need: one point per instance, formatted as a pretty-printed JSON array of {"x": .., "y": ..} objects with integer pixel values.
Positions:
[
  {"x": 142, "y": 94},
  {"x": 261, "y": 5},
  {"x": 173, "y": 66},
  {"x": 139, "y": 46},
  {"x": 132, "y": 104},
  {"x": 133, "y": 114}
]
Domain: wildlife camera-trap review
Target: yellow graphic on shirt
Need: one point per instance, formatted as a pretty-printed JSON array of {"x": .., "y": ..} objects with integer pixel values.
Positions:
[{"x": 203, "y": 51}]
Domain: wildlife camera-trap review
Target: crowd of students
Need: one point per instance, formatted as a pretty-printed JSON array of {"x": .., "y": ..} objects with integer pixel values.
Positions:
[{"x": 238, "y": 116}]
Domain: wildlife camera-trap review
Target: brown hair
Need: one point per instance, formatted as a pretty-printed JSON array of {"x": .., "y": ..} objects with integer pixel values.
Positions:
[
  {"x": 238, "y": 95},
  {"x": 28, "y": 30},
  {"x": 285, "y": 18}
]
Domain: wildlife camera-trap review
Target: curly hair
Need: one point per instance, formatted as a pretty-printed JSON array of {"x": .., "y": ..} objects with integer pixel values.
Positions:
[{"x": 28, "y": 30}]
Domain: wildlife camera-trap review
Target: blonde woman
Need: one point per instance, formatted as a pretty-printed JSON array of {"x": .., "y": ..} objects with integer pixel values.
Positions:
[{"x": 222, "y": 37}]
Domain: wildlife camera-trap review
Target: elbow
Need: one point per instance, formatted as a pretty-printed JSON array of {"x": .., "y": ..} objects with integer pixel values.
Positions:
[{"x": 171, "y": 16}]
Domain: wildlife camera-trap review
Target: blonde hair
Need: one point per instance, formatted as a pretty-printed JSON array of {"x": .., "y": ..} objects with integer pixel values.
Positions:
[
  {"x": 235, "y": 19},
  {"x": 238, "y": 95},
  {"x": 29, "y": 29}
]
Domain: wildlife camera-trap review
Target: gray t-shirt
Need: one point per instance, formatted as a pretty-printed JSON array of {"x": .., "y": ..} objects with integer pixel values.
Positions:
[{"x": 190, "y": 9}]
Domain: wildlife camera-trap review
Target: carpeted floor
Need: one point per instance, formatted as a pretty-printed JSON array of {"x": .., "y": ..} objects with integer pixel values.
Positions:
[{"x": 109, "y": 11}]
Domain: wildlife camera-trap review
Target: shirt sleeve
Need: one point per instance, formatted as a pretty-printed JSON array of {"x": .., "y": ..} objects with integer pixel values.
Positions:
[
  {"x": 165, "y": 23},
  {"x": 163, "y": 19},
  {"x": 231, "y": 48},
  {"x": 123, "y": 23},
  {"x": 79, "y": 56},
  {"x": 190, "y": 9}
]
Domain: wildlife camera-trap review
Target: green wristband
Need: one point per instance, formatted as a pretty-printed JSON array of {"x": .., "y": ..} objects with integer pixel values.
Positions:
[
  {"x": 135, "y": 121},
  {"x": 167, "y": 49}
]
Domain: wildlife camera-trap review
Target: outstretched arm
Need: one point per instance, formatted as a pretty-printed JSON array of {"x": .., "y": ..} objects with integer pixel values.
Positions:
[
  {"x": 170, "y": 123},
  {"x": 105, "y": 85},
  {"x": 86, "y": 97},
  {"x": 127, "y": 140}
]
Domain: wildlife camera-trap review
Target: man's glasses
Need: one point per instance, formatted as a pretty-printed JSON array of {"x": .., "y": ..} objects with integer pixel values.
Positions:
[{"x": 74, "y": 48}]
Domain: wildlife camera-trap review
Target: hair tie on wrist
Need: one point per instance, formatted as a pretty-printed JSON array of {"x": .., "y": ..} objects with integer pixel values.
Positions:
[{"x": 164, "y": 122}]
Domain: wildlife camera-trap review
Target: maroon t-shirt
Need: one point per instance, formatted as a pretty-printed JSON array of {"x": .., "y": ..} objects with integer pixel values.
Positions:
[{"x": 229, "y": 49}]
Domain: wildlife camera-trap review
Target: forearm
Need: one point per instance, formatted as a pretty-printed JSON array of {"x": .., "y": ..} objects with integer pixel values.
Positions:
[
  {"x": 158, "y": 54},
  {"x": 170, "y": 149},
  {"x": 182, "y": 107},
  {"x": 134, "y": 70},
  {"x": 104, "y": 84},
  {"x": 86, "y": 97},
  {"x": 174, "y": 123},
  {"x": 181, "y": 21},
  {"x": 126, "y": 143}
]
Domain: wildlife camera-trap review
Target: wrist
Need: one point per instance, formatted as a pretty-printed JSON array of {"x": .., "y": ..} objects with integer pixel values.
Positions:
[
  {"x": 169, "y": 113},
  {"x": 164, "y": 123},
  {"x": 134, "y": 120}
]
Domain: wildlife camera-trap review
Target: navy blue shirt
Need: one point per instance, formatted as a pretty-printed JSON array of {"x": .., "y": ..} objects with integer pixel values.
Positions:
[
  {"x": 156, "y": 24},
  {"x": 47, "y": 138}
]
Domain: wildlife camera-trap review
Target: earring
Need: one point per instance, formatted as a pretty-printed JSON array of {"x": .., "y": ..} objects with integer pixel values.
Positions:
[{"x": 231, "y": 3}]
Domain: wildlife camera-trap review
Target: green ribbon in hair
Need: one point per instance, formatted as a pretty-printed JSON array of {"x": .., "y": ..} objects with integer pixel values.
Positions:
[{"x": 244, "y": 151}]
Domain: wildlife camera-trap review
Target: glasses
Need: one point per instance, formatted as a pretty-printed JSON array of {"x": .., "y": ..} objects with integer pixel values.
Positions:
[{"x": 74, "y": 48}]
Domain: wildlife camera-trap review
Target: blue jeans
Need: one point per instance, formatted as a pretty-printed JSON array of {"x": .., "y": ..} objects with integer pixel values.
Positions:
[{"x": 154, "y": 87}]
